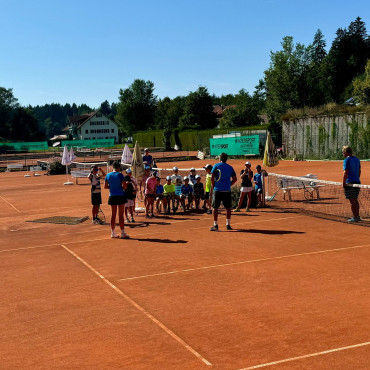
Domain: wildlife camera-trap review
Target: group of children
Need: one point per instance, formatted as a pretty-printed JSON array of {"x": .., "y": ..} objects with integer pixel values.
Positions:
[{"x": 187, "y": 192}]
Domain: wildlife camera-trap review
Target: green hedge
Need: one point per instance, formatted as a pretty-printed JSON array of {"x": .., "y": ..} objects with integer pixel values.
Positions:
[{"x": 189, "y": 139}]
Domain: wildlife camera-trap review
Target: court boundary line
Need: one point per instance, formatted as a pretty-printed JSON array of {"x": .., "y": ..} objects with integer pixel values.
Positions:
[
  {"x": 141, "y": 309},
  {"x": 10, "y": 204},
  {"x": 244, "y": 262},
  {"x": 306, "y": 356}
]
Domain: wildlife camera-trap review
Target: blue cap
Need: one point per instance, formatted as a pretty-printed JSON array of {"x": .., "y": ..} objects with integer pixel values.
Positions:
[{"x": 147, "y": 167}]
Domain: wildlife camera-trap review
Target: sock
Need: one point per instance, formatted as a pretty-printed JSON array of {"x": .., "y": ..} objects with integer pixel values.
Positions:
[
  {"x": 228, "y": 221},
  {"x": 215, "y": 223}
]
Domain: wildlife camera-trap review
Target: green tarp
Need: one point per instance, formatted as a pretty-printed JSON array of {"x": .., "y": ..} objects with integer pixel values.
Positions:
[
  {"x": 238, "y": 145},
  {"x": 26, "y": 146},
  {"x": 102, "y": 143}
]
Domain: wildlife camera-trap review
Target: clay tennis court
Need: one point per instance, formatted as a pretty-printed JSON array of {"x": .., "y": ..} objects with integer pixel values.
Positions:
[{"x": 281, "y": 291}]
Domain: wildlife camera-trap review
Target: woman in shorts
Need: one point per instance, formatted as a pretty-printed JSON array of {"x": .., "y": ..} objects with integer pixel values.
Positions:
[
  {"x": 115, "y": 182},
  {"x": 246, "y": 188}
]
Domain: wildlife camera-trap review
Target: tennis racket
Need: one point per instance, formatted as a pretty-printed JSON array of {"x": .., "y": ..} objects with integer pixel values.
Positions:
[{"x": 101, "y": 216}]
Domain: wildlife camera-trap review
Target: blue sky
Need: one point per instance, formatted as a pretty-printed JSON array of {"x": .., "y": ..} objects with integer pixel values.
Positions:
[{"x": 84, "y": 51}]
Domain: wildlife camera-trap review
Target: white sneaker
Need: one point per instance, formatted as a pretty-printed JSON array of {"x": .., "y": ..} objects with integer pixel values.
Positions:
[
  {"x": 124, "y": 235},
  {"x": 114, "y": 235}
]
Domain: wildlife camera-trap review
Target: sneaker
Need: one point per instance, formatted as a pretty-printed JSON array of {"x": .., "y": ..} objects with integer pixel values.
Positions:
[
  {"x": 214, "y": 228},
  {"x": 124, "y": 235},
  {"x": 127, "y": 220},
  {"x": 209, "y": 212},
  {"x": 114, "y": 235},
  {"x": 237, "y": 210},
  {"x": 132, "y": 219},
  {"x": 101, "y": 222},
  {"x": 228, "y": 227},
  {"x": 354, "y": 219},
  {"x": 96, "y": 222},
  {"x": 247, "y": 210}
]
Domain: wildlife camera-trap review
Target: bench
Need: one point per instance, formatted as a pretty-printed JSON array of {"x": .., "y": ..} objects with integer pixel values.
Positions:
[
  {"x": 77, "y": 174},
  {"x": 34, "y": 169},
  {"x": 10, "y": 167},
  {"x": 309, "y": 187}
]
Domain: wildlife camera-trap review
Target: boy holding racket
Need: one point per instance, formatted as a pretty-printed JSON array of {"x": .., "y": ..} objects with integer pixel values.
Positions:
[{"x": 94, "y": 177}]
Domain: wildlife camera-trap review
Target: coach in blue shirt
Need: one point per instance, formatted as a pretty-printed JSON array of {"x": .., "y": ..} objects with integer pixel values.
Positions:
[
  {"x": 351, "y": 176},
  {"x": 223, "y": 177}
]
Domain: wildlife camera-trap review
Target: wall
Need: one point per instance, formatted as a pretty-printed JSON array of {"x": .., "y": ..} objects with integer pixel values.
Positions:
[{"x": 322, "y": 137}]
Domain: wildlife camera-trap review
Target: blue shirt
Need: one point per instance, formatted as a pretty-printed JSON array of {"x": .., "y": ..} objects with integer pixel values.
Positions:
[
  {"x": 114, "y": 179},
  {"x": 186, "y": 189},
  {"x": 223, "y": 173},
  {"x": 148, "y": 159},
  {"x": 258, "y": 180},
  {"x": 352, "y": 165},
  {"x": 159, "y": 189}
]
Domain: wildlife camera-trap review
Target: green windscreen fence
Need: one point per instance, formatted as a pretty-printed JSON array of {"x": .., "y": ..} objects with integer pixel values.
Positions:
[
  {"x": 26, "y": 146},
  {"x": 102, "y": 143},
  {"x": 237, "y": 145}
]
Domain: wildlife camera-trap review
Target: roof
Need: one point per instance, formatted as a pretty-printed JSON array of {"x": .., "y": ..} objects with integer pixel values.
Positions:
[
  {"x": 220, "y": 109},
  {"x": 81, "y": 119}
]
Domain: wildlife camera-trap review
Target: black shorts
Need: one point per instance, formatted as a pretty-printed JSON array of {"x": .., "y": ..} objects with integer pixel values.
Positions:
[
  {"x": 150, "y": 195},
  {"x": 96, "y": 199},
  {"x": 117, "y": 200},
  {"x": 352, "y": 192},
  {"x": 159, "y": 196},
  {"x": 206, "y": 196},
  {"x": 221, "y": 196}
]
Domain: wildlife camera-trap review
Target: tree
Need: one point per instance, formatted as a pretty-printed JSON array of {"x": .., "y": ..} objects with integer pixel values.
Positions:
[
  {"x": 286, "y": 79},
  {"x": 361, "y": 86},
  {"x": 7, "y": 104},
  {"x": 199, "y": 110},
  {"x": 23, "y": 125},
  {"x": 136, "y": 107},
  {"x": 244, "y": 114}
]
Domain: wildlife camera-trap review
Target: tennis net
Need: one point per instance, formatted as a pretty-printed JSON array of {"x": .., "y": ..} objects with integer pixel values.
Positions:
[
  {"x": 319, "y": 198},
  {"x": 88, "y": 165}
]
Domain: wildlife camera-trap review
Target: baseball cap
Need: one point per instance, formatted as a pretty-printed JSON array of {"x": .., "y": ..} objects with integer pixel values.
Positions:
[
  {"x": 197, "y": 176},
  {"x": 168, "y": 178},
  {"x": 128, "y": 170},
  {"x": 174, "y": 168},
  {"x": 147, "y": 167},
  {"x": 186, "y": 178},
  {"x": 192, "y": 169},
  {"x": 207, "y": 166},
  {"x": 146, "y": 149},
  {"x": 249, "y": 163}
]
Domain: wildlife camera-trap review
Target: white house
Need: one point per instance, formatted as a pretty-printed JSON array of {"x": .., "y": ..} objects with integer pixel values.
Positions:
[{"x": 93, "y": 126}]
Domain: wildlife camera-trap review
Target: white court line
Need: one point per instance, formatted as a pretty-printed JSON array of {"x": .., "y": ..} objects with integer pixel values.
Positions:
[
  {"x": 306, "y": 356},
  {"x": 10, "y": 204},
  {"x": 244, "y": 262},
  {"x": 141, "y": 309}
]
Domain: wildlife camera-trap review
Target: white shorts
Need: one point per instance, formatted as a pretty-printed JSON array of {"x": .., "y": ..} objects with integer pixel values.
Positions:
[
  {"x": 130, "y": 203},
  {"x": 246, "y": 189}
]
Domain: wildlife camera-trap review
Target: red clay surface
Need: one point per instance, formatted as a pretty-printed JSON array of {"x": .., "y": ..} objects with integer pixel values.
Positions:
[{"x": 280, "y": 291}]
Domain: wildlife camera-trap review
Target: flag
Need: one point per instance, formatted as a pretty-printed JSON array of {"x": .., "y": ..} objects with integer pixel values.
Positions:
[
  {"x": 126, "y": 155},
  {"x": 66, "y": 160},
  {"x": 137, "y": 165},
  {"x": 270, "y": 158}
]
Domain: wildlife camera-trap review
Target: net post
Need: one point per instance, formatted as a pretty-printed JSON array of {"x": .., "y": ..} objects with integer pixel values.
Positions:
[{"x": 263, "y": 189}]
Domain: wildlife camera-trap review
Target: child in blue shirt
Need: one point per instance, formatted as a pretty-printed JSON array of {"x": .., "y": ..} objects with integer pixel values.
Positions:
[{"x": 186, "y": 193}]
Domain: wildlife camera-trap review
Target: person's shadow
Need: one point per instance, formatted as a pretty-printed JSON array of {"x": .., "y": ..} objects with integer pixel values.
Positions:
[
  {"x": 157, "y": 240},
  {"x": 268, "y": 232}
]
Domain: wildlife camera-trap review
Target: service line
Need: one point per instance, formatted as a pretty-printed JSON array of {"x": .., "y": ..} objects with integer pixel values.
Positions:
[
  {"x": 141, "y": 309},
  {"x": 244, "y": 262},
  {"x": 10, "y": 204}
]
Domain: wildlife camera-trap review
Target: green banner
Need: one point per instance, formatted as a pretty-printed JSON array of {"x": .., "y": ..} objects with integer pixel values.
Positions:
[
  {"x": 238, "y": 145},
  {"x": 26, "y": 146},
  {"x": 101, "y": 143}
]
